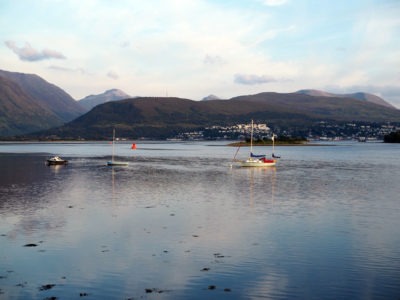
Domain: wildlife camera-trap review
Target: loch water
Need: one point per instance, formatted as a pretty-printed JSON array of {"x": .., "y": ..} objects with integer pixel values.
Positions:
[{"x": 179, "y": 222}]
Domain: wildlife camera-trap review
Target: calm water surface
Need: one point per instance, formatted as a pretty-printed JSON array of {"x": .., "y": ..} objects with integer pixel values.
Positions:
[{"x": 180, "y": 223}]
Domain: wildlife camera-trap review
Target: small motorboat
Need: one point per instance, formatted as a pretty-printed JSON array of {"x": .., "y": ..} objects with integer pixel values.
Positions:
[{"x": 56, "y": 160}]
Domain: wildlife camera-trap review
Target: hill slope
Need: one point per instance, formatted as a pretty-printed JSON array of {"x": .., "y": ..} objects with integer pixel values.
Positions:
[
  {"x": 164, "y": 117},
  {"x": 19, "y": 113},
  {"x": 111, "y": 95},
  {"x": 47, "y": 95},
  {"x": 360, "y": 96}
]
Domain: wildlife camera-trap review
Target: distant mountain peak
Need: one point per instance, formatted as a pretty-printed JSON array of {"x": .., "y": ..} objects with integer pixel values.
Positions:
[
  {"x": 358, "y": 95},
  {"x": 110, "y": 95},
  {"x": 116, "y": 92},
  {"x": 210, "y": 97},
  {"x": 316, "y": 93},
  {"x": 107, "y": 93}
]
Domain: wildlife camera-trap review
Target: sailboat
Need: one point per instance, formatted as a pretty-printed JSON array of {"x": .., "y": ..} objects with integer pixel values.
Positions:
[
  {"x": 258, "y": 160},
  {"x": 113, "y": 162}
]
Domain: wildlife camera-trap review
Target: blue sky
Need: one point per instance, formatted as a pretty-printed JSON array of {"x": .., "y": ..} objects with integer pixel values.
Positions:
[{"x": 193, "y": 48}]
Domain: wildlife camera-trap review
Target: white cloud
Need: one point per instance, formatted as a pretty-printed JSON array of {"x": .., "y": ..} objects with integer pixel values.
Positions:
[
  {"x": 251, "y": 79},
  {"x": 69, "y": 70},
  {"x": 213, "y": 60},
  {"x": 112, "y": 75},
  {"x": 274, "y": 2},
  {"x": 27, "y": 53}
]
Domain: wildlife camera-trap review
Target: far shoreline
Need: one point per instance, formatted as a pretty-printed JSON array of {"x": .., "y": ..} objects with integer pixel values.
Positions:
[{"x": 302, "y": 144}]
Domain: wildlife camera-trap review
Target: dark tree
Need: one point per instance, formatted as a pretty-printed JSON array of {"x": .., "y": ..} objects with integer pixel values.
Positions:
[{"x": 393, "y": 137}]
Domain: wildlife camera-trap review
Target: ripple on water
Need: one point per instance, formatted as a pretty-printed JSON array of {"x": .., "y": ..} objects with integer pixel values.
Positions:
[{"x": 322, "y": 224}]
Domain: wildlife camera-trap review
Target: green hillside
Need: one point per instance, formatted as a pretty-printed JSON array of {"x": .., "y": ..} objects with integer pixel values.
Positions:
[{"x": 165, "y": 117}]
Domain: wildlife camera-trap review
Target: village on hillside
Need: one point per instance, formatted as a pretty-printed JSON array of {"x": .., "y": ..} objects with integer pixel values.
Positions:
[{"x": 321, "y": 131}]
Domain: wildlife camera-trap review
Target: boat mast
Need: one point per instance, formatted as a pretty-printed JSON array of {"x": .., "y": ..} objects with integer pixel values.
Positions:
[
  {"x": 273, "y": 143},
  {"x": 112, "y": 157},
  {"x": 251, "y": 137}
]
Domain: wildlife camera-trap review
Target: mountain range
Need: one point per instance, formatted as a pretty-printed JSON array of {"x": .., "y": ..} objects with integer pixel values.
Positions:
[{"x": 30, "y": 104}]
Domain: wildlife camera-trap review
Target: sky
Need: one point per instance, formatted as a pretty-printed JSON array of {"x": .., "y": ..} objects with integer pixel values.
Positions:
[{"x": 194, "y": 48}]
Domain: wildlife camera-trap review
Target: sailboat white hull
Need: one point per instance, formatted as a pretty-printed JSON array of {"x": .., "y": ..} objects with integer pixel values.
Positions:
[
  {"x": 258, "y": 163},
  {"x": 257, "y": 160},
  {"x": 116, "y": 163}
]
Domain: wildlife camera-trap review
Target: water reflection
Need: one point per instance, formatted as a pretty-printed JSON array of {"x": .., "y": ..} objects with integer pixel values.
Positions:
[
  {"x": 255, "y": 184},
  {"x": 56, "y": 168},
  {"x": 191, "y": 227}
]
